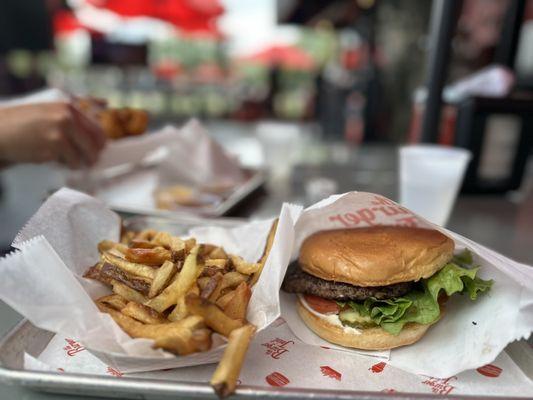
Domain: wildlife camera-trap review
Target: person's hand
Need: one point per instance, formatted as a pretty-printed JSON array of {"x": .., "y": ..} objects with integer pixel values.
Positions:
[{"x": 44, "y": 132}]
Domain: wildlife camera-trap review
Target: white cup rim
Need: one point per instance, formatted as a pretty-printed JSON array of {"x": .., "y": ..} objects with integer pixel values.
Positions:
[{"x": 435, "y": 151}]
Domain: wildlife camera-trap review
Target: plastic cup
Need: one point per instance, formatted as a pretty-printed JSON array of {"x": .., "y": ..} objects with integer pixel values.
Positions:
[
  {"x": 430, "y": 178},
  {"x": 279, "y": 143}
]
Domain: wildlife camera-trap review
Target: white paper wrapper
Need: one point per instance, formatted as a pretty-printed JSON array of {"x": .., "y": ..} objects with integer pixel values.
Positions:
[
  {"x": 43, "y": 281},
  {"x": 197, "y": 160},
  {"x": 275, "y": 359},
  {"x": 471, "y": 333}
]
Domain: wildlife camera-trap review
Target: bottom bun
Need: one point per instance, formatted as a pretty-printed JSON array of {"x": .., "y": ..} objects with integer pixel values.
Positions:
[{"x": 368, "y": 339}]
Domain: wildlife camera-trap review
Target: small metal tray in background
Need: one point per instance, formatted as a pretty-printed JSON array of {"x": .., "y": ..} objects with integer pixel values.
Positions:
[
  {"x": 26, "y": 338},
  {"x": 256, "y": 178}
]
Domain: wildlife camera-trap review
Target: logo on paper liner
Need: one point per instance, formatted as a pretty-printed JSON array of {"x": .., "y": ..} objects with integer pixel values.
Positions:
[
  {"x": 381, "y": 207},
  {"x": 378, "y": 368},
  {"x": 490, "y": 371},
  {"x": 277, "y": 379},
  {"x": 73, "y": 347},
  {"x": 114, "y": 372},
  {"x": 331, "y": 373},
  {"x": 440, "y": 386},
  {"x": 277, "y": 347}
]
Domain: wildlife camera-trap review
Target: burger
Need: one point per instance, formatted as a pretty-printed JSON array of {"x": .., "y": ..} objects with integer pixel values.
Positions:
[{"x": 380, "y": 287}]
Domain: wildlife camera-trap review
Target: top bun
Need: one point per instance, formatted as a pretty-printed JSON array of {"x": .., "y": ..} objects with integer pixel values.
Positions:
[{"x": 375, "y": 256}]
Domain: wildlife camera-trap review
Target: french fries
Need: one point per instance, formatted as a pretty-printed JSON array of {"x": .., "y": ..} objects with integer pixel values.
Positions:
[
  {"x": 142, "y": 313},
  {"x": 213, "y": 316},
  {"x": 224, "y": 379},
  {"x": 162, "y": 278},
  {"x": 130, "y": 267},
  {"x": 179, "y": 287},
  {"x": 244, "y": 267},
  {"x": 153, "y": 257},
  {"x": 178, "y": 292},
  {"x": 236, "y": 307},
  {"x": 127, "y": 292}
]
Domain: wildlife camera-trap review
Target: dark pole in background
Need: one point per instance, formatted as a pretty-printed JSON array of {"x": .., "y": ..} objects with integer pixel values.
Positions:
[
  {"x": 444, "y": 15},
  {"x": 512, "y": 23}
]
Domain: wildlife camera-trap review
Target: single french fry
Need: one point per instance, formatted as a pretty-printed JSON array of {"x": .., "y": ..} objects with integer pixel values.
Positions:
[
  {"x": 179, "y": 287},
  {"x": 211, "y": 285},
  {"x": 162, "y": 277},
  {"x": 113, "y": 300},
  {"x": 154, "y": 257},
  {"x": 229, "y": 280},
  {"x": 190, "y": 244},
  {"x": 208, "y": 248},
  {"x": 224, "y": 299},
  {"x": 181, "y": 342},
  {"x": 147, "y": 235},
  {"x": 127, "y": 292},
  {"x": 244, "y": 267},
  {"x": 142, "y": 244},
  {"x": 216, "y": 262},
  {"x": 224, "y": 379},
  {"x": 268, "y": 247},
  {"x": 192, "y": 322},
  {"x": 132, "y": 268},
  {"x": 203, "y": 281},
  {"x": 106, "y": 245},
  {"x": 126, "y": 237},
  {"x": 218, "y": 254},
  {"x": 194, "y": 289},
  {"x": 202, "y": 339},
  {"x": 237, "y": 306},
  {"x": 177, "y": 244},
  {"x": 110, "y": 272},
  {"x": 213, "y": 316},
  {"x": 179, "y": 312},
  {"x": 142, "y": 313},
  {"x": 162, "y": 239}
]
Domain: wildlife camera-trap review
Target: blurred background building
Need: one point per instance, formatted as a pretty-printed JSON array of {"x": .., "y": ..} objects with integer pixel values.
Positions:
[
  {"x": 337, "y": 74},
  {"x": 354, "y": 67}
]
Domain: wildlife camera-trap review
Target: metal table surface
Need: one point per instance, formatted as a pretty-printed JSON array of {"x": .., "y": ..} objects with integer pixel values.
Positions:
[{"x": 504, "y": 223}]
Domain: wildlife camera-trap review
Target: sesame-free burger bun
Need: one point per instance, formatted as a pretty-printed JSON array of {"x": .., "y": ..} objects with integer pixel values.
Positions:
[
  {"x": 375, "y": 256},
  {"x": 368, "y": 338}
]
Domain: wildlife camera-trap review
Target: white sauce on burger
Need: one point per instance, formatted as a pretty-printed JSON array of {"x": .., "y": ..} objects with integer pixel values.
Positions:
[{"x": 333, "y": 319}]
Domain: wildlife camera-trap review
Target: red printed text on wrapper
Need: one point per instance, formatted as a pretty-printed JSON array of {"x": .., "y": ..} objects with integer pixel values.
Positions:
[
  {"x": 331, "y": 373},
  {"x": 369, "y": 216},
  {"x": 277, "y": 347},
  {"x": 72, "y": 348},
  {"x": 440, "y": 386}
]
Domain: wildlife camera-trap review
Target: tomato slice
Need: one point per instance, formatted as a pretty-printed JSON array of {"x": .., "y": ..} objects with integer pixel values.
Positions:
[{"x": 321, "y": 305}]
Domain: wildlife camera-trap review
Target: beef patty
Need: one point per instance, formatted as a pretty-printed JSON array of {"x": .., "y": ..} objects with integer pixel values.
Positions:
[{"x": 299, "y": 281}]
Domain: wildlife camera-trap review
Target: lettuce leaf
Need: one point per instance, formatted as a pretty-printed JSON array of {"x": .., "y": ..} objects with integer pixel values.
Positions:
[{"x": 421, "y": 305}]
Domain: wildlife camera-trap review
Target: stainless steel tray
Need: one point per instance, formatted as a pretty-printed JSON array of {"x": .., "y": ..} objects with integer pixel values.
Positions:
[{"x": 26, "y": 338}]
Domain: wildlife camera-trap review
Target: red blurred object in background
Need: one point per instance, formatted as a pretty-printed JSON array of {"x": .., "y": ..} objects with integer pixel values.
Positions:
[
  {"x": 193, "y": 16},
  {"x": 446, "y": 128},
  {"x": 65, "y": 21},
  {"x": 291, "y": 57}
]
